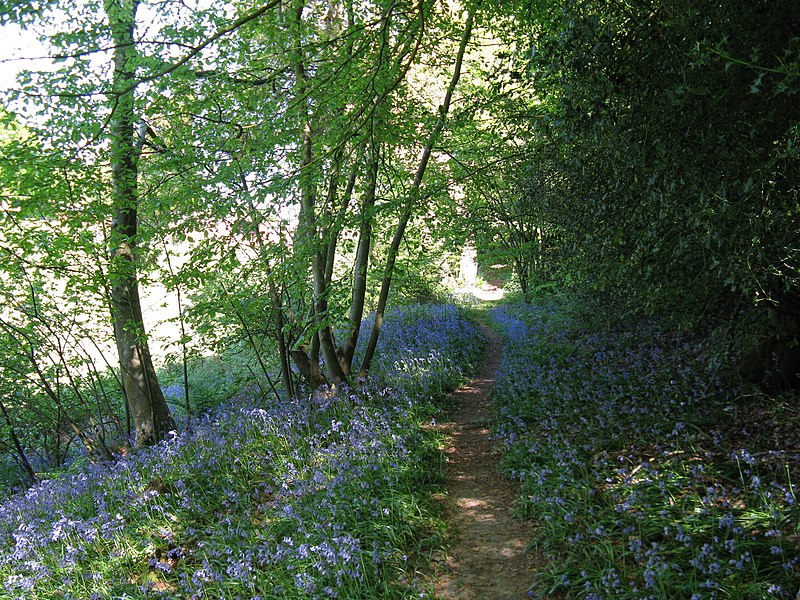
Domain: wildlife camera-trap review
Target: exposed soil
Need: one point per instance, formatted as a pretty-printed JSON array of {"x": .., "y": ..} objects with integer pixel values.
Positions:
[{"x": 487, "y": 559}]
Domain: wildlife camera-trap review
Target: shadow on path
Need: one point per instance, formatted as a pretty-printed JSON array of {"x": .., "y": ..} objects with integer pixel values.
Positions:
[{"x": 487, "y": 559}]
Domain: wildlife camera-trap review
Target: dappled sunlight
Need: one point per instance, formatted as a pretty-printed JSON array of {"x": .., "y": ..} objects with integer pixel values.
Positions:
[
  {"x": 322, "y": 496},
  {"x": 488, "y": 557},
  {"x": 485, "y": 293},
  {"x": 636, "y": 484}
]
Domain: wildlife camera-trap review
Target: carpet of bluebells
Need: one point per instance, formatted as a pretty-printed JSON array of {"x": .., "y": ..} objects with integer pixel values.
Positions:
[
  {"x": 327, "y": 496},
  {"x": 639, "y": 468}
]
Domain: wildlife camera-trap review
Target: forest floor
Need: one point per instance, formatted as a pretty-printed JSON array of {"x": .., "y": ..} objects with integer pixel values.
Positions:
[{"x": 487, "y": 559}]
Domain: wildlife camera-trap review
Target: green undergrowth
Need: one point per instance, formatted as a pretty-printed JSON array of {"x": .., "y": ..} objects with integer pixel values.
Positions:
[{"x": 645, "y": 475}]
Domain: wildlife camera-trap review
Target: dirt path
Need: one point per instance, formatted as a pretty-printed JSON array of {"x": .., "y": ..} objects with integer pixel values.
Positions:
[{"x": 487, "y": 560}]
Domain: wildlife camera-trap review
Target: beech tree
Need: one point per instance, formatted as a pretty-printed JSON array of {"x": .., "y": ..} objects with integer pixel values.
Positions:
[
  {"x": 332, "y": 147},
  {"x": 90, "y": 202},
  {"x": 151, "y": 415},
  {"x": 93, "y": 106}
]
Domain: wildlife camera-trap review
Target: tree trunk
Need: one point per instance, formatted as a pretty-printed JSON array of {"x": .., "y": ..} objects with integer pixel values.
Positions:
[
  {"x": 307, "y": 227},
  {"x": 21, "y": 456},
  {"x": 280, "y": 337},
  {"x": 361, "y": 263},
  {"x": 151, "y": 417}
]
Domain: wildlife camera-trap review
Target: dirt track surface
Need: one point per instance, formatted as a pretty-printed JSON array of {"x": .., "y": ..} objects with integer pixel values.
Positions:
[{"x": 487, "y": 558}]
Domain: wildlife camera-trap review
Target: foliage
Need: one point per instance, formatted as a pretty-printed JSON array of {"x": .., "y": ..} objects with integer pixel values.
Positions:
[
  {"x": 319, "y": 496},
  {"x": 645, "y": 476},
  {"x": 213, "y": 379},
  {"x": 255, "y": 160},
  {"x": 662, "y": 149},
  {"x": 60, "y": 394},
  {"x": 493, "y": 135}
]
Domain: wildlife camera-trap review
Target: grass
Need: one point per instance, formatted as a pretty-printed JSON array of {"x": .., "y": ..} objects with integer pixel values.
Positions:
[
  {"x": 327, "y": 496},
  {"x": 640, "y": 479}
]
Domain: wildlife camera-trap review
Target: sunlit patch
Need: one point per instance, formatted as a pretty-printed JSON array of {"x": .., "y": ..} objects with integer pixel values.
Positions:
[{"x": 323, "y": 496}]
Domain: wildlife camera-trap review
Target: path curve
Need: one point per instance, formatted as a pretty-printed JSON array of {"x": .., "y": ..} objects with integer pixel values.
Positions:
[{"x": 487, "y": 559}]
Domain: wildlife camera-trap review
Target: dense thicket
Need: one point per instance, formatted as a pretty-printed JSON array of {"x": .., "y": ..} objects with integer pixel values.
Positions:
[
  {"x": 672, "y": 128},
  {"x": 662, "y": 158}
]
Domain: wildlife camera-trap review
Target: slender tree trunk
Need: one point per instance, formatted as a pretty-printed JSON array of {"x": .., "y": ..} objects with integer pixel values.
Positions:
[
  {"x": 95, "y": 447},
  {"x": 151, "y": 417},
  {"x": 284, "y": 353},
  {"x": 187, "y": 405},
  {"x": 308, "y": 227},
  {"x": 413, "y": 196},
  {"x": 361, "y": 262},
  {"x": 283, "y": 348},
  {"x": 23, "y": 459}
]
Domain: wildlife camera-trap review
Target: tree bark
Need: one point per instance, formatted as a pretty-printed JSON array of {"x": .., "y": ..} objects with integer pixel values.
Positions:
[
  {"x": 151, "y": 417},
  {"x": 22, "y": 457},
  {"x": 308, "y": 226},
  {"x": 361, "y": 262}
]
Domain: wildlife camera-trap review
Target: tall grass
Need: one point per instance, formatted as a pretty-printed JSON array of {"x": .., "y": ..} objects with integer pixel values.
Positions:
[
  {"x": 641, "y": 481},
  {"x": 325, "y": 496}
]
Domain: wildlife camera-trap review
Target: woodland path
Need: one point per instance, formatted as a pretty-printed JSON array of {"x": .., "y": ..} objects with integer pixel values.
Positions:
[{"x": 487, "y": 559}]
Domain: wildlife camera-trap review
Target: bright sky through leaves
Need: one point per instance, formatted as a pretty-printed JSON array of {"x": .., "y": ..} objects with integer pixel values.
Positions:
[{"x": 17, "y": 49}]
